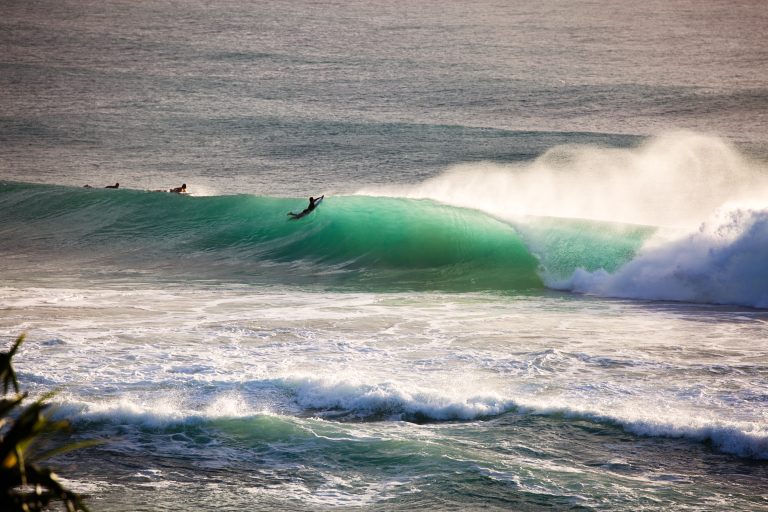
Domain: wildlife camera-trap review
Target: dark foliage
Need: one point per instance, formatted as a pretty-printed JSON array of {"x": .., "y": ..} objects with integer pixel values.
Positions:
[{"x": 24, "y": 484}]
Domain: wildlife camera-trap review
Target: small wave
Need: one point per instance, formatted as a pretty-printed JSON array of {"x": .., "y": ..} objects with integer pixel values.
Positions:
[
  {"x": 741, "y": 438},
  {"x": 393, "y": 401},
  {"x": 344, "y": 400}
]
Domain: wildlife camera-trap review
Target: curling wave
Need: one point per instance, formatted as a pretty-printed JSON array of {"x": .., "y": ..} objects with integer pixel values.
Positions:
[{"x": 384, "y": 243}]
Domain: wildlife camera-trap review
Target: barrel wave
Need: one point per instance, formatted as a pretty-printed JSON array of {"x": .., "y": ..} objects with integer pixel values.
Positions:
[
  {"x": 348, "y": 241},
  {"x": 365, "y": 242},
  {"x": 372, "y": 243}
]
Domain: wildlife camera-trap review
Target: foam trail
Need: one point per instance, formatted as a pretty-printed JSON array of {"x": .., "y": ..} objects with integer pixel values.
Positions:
[{"x": 676, "y": 179}]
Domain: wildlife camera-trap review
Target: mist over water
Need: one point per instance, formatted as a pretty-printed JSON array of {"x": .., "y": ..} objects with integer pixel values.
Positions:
[{"x": 673, "y": 180}]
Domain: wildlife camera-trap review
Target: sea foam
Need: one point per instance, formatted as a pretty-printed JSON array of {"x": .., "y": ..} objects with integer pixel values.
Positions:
[
  {"x": 333, "y": 398},
  {"x": 722, "y": 262},
  {"x": 674, "y": 179}
]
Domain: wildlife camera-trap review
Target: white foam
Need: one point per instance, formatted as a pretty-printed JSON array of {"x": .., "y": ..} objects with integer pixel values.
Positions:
[
  {"x": 742, "y": 438},
  {"x": 191, "y": 356},
  {"x": 159, "y": 411},
  {"x": 395, "y": 399},
  {"x": 723, "y": 262},
  {"x": 201, "y": 190}
]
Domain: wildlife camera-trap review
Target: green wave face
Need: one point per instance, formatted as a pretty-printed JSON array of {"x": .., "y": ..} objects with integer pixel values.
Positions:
[
  {"x": 412, "y": 242},
  {"x": 563, "y": 245},
  {"x": 348, "y": 241}
]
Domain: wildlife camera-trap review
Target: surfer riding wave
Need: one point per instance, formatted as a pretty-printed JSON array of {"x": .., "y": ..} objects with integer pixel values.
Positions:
[{"x": 313, "y": 202}]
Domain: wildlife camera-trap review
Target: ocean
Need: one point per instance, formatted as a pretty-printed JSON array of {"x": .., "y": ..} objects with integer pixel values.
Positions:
[{"x": 538, "y": 279}]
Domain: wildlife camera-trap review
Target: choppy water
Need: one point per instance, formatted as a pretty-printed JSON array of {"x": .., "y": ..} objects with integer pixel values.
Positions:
[{"x": 537, "y": 280}]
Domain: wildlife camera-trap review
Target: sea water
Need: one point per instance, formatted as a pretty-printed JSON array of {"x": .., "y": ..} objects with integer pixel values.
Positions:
[{"x": 538, "y": 279}]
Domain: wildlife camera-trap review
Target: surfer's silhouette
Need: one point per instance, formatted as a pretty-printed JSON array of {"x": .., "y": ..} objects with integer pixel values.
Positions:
[
  {"x": 179, "y": 190},
  {"x": 313, "y": 202},
  {"x": 116, "y": 185}
]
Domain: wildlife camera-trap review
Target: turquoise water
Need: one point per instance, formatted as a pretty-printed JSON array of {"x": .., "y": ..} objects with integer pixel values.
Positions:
[
  {"x": 360, "y": 242},
  {"x": 537, "y": 280}
]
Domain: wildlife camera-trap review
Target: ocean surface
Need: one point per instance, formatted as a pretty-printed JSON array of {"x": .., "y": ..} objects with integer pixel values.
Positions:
[{"x": 538, "y": 280}]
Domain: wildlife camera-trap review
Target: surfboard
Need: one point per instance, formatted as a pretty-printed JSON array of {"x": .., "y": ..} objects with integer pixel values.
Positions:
[{"x": 295, "y": 216}]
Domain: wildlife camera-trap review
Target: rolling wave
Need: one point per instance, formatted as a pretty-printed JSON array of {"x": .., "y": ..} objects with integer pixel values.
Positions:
[
  {"x": 345, "y": 401},
  {"x": 705, "y": 200},
  {"x": 387, "y": 243},
  {"x": 459, "y": 232}
]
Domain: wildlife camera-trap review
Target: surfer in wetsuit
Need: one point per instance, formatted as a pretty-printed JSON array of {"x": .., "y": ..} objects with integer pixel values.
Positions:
[
  {"x": 179, "y": 190},
  {"x": 116, "y": 185},
  {"x": 312, "y": 205}
]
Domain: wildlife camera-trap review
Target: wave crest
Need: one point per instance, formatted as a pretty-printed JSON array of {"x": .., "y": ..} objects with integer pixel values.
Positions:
[{"x": 343, "y": 399}]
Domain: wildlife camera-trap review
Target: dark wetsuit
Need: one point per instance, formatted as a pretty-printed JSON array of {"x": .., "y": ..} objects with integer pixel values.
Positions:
[{"x": 312, "y": 205}]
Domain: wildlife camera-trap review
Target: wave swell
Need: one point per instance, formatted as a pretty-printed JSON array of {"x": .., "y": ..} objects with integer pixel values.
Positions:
[
  {"x": 381, "y": 242},
  {"x": 682, "y": 217}
]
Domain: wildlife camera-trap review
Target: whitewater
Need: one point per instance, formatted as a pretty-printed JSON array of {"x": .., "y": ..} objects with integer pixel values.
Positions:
[{"x": 537, "y": 280}]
